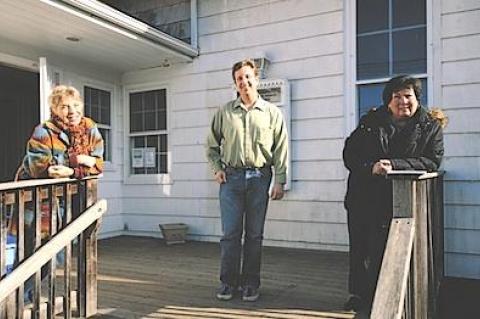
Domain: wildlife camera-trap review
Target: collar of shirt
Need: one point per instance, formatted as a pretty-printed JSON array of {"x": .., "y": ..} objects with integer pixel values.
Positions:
[{"x": 259, "y": 104}]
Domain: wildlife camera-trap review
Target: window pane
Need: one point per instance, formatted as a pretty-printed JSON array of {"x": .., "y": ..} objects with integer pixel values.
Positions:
[
  {"x": 161, "y": 100},
  {"x": 136, "y": 122},
  {"x": 105, "y": 116},
  {"x": 369, "y": 95},
  {"x": 372, "y": 56},
  {"x": 163, "y": 164},
  {"x": 152, "y": 141},
  {"x": 372, "y": 15},
  {"x": 139, "y": 141},
  {"x": 408, "y": 13},
  {"x": 106, "y": 139},
  {"x": 150, "y": 121},
  {"x": 149, "y": 100},
  {"x": 96, "y": 101},
  {"x": 410, "y": 51},
  {"x": 135, "y": 102},
  {"x": 106, "y": 107},
  {"x": 162, "y": 120},
  {"x": 163, "y": 143}
]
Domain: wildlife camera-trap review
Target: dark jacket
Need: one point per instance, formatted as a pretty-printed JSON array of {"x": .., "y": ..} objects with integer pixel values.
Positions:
[{"x": 418, "y": 145}]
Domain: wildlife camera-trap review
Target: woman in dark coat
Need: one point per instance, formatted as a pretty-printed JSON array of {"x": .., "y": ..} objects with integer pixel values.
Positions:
[{"x": 401, "y": 135}]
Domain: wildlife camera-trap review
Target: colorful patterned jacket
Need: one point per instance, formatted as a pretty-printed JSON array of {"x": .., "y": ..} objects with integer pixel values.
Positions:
[{"x": 49, "y": 145}]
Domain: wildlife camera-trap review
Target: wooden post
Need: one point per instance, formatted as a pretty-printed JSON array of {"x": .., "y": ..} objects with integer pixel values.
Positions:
[
  {"x": 91, "y": 253},
  {"x": 410, "y": 199},
  {"x": 67, "y": 310},
  {"x": 3, "y": 248},
  {"x": 420, "y": 251},
  {"x": 22, "y": 198}
]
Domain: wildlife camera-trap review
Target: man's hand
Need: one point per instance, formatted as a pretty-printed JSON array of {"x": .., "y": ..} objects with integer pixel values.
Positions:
[
  {"x": 59, "y": 171},
  {"x": 382, "y": 167},
  {"x": 220, "y": 177},
  {"x": 277, "y": 192}
]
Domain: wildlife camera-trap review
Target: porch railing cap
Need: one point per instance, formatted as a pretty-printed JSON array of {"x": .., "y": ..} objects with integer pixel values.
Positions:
[
  {"x": 413, "y": 174},
  {"x": 39, "y": 182}
]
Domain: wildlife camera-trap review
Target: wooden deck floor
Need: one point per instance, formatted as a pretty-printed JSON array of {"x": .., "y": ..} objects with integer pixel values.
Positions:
[{"x": 145, "y": 278}]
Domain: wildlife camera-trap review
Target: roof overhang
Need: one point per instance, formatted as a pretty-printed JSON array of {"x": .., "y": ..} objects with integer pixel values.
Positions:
[{"x": 107, "y": 38}]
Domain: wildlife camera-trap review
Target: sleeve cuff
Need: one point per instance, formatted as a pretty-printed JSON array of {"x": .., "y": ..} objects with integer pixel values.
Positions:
[{"x": 281, "y": 178}]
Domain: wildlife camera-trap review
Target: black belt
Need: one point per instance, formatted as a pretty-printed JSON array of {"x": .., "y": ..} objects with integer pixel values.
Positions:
[{"x": 246, "y": 168}]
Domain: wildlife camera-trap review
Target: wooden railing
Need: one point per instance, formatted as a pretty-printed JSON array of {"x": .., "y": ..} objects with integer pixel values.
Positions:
[
  {"x": 48, "y": 248},
  {"x": 412, "y": 267}
]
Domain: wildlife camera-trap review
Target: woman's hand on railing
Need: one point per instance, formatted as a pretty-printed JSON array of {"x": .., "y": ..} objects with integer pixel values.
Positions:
[
  {"x": 59, "y": 171},
  {"x": 382, "y": 167},
  {"x": 86, "y": 160}
]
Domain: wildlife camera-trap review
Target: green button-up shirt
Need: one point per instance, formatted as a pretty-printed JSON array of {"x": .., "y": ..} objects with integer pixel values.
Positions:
[{"x": 255, "y": 137}]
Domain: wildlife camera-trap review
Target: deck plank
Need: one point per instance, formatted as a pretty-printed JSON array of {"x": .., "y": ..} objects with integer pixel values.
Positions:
[{"x": 145, "y": 278}]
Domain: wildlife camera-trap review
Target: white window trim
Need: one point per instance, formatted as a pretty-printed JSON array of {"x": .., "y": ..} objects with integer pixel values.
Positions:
[
  {"x": 350, "y": 83},
  {"x": 109, "y": 165},
  {"x": 136, "y": 179}
]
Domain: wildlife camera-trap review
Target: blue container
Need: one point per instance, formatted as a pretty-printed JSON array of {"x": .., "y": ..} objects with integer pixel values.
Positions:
[{"x": 11, "y": 248}]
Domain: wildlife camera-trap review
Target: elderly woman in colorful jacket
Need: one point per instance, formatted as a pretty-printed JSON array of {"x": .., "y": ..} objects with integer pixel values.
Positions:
[
  {"x": 401, "y": 135},
  {"x": 66, "y": 145}
]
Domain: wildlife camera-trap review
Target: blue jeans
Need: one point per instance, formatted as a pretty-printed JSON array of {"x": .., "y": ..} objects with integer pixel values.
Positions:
[{"x": 243, "y": 205}]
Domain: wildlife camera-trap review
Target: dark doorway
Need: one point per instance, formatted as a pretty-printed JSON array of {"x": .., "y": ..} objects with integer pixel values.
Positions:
[{"x": 20, "y": 113}]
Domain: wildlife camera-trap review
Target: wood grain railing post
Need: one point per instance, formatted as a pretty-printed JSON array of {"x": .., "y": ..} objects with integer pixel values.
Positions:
[
  {"x": 91, "y": 237},
  {"x": 22, "y": 198},
  {"x": 3, "y": 248},
  {"x": 420, "y": 251},
  {"x": 417, "y": 195}
]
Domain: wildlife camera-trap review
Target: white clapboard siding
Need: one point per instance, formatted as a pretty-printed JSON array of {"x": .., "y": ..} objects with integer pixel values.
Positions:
[
  {"x": 459, "y": 72},
  {"x": 460, "y": 83},
  {"x": 462, "y": 192},
  {"x": 256, "y": 35},
  {"x": 461, "y": 96},
  {"x": 462, "y": 168},
  {"x": 285, "y": 10},
  {"x": 189, "y": 154},
  {"x": 322, "y": 44},
  {"x": 463, "y": 241},
  {"x": 460, "y": 23},
  {"x": 466, "y": 47},
  {"x": 311, "y": 129},
  {"x": 326, "y": 107},
  {"x": 325, "y": 149},
  {"x": 462, "y": 265},
  {"x": 463, "y": 120},
  {"x": 458, "y": 6},
  {"x": 461, "y": 216},
  {"x": 462, "y": 144}
]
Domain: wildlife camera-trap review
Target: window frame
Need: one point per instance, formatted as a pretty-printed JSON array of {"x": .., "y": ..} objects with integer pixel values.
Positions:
[
  {"x": 94, "y": 84},
  {"x": 162, "y": 178},
  {"x": 351, "y": 107}
]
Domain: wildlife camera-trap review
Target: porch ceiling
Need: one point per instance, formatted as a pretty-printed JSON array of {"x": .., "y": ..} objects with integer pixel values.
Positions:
[{"x": 34, "y": 28}]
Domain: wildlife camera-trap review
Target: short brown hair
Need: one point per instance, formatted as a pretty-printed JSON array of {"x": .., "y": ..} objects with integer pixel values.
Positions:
[
  {"x": 399, "y": 83},
  {"x": 247, "y": 62}
]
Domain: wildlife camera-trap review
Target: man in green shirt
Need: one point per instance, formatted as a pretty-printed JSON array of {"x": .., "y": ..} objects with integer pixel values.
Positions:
[{"x": 247, "y": 137}]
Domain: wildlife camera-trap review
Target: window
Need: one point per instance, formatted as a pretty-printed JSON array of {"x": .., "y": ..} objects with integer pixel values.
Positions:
[
  {"x": 148, "y": 132},
  {"x": 98, "y": 107},
  {"x": 391, "y": 40}
]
